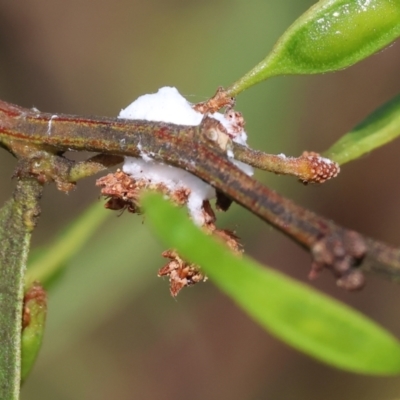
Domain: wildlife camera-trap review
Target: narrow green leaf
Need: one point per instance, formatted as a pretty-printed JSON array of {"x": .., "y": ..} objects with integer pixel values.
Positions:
[
  {"x": 381, "y": 127},
  {"x": 302, "y": 317},
  {"x": 47, "y": 265},
  {"x": 331, "y": 35}
]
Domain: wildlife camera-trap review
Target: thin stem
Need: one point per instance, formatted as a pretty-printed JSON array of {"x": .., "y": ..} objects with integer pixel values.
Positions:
[
  {"x": 18, "y": 218},
  {"x": 92, "y": 166},
  {"x": 308, "y": 168},
  {"x": 188, "y": 147}
]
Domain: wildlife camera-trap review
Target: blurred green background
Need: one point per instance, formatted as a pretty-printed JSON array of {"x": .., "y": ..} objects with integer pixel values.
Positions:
[{"x": 114, "y": 332}]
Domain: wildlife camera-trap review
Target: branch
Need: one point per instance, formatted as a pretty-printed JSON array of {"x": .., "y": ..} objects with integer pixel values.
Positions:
[
  {"x": 310, "y": 167},
  {"x": 29, "y": 133}
]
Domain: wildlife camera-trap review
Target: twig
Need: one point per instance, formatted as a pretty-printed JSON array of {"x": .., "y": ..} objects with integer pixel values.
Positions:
[
  {"x": 343, "y": 251},
  {"x": 310, "y": 167}
]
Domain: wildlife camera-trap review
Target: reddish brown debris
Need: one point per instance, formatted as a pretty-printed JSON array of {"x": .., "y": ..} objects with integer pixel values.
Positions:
[
  {"x": 122, "y": 191},
  {"x": 180, "y": 273},
  {"x": 218, "y": 101},
  {"x": 230, "y": 238},
  {"x": 37, "y": 293}
]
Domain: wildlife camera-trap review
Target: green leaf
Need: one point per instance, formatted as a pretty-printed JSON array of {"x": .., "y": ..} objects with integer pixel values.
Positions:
[
  {"x": 381, "y": 127},
  {"x": 331, "y": 35},
  {"x": 302, "y": 317},
  {"x": 46, "y": 266}
]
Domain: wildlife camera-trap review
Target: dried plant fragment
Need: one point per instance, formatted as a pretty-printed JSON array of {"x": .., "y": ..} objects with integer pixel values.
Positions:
[
  {"x": 219, "y": 100},
  {"x": 180, "y": 273},
  {"x": 122, "y": 191},
  {"x": 341, "y": 254}
]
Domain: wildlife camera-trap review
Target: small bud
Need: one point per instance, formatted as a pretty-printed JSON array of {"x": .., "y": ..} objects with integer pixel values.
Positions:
[{"x": 319, "y": 169}]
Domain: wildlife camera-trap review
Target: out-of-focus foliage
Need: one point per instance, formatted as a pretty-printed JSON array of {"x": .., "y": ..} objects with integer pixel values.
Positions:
[{"x": 379, "y": 128}]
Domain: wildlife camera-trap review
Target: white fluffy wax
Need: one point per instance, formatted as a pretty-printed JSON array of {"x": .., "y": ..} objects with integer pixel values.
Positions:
[{"x": 168, "y": 105}]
